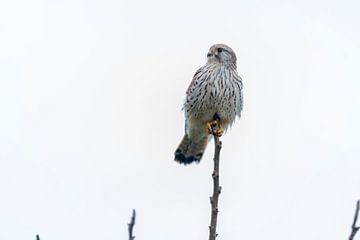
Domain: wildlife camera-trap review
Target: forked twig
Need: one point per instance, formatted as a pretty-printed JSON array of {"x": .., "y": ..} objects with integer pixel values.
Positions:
[
  {"x": 131, "y": 225},
  {"x": 354, "y": 228}
]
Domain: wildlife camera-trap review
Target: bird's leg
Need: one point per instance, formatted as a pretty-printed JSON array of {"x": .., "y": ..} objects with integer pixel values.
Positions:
[
  {"x": 218, "y": 129},
  {"x": 210, "y": 126},
  {"x": 215, "y": 124}
]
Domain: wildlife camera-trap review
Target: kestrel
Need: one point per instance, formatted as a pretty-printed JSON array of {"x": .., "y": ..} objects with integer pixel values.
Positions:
[{"x": 215, "y": 93}]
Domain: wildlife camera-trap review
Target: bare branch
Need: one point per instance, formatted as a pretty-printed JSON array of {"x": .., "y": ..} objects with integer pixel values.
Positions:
[
  {"x": 354, "y": 228},
  {"x": 131, "y": 225},
  {"x": 216, "y": 188}
]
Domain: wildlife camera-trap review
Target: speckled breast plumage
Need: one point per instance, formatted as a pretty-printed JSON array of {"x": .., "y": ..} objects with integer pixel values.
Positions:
[{"x": 216, "y": 88}]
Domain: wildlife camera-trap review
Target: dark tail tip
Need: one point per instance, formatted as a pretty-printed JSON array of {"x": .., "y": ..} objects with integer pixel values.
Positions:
[{"x": 182, "y": 159}]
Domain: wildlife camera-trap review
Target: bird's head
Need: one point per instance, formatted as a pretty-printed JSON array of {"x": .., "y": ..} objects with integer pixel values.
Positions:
[{"x": 221, "y": 53}]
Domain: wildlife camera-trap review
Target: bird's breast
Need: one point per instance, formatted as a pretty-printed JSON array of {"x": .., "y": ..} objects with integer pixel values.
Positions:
[{"x": 214, "y": 92}]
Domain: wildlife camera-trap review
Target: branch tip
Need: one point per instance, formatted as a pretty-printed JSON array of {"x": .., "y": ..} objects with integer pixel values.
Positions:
[
  {"x": 131, "y": 225},
  {"x": 354, "y": 228}
]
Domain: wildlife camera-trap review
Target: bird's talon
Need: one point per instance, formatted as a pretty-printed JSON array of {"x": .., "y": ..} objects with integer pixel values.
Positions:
[
  {"x": 219, "y": 131},
  {"x": 209, "y": 127}
]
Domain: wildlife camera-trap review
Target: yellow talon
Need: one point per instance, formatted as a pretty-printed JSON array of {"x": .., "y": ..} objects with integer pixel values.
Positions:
[
  {"x": 209, "y": 127},
  {"x": 219, "y": 131}
]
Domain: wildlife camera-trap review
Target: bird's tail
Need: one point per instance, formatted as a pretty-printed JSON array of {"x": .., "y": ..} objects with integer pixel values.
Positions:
[{"x": 191, "y": 150}]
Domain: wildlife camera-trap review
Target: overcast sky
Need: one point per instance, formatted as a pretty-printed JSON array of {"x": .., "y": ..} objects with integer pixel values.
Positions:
[{"x": 90, "y": 116}]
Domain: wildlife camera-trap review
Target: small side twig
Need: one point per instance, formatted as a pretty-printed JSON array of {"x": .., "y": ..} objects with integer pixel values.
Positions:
[
  {"x": 131, "y": 225},
  {"x": 216, "y": 187},
  {"x": 354, "y": 228}
]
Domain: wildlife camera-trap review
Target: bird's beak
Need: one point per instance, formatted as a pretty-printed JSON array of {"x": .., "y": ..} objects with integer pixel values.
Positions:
[{"x": 210, "y": 54}]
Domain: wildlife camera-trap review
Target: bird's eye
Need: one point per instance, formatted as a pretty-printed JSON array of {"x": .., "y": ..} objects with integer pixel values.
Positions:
[{"x": 220, "y": 50}]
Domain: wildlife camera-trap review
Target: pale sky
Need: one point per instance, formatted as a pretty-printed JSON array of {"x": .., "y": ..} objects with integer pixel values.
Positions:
[{"x": 90, "y": 116}]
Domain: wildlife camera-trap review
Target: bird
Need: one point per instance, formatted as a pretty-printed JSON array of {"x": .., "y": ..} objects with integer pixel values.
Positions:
[{"x": 214, "y": 94}]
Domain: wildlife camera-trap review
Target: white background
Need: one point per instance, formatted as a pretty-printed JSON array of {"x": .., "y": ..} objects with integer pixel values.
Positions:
[{"x": 90, "y": 115}]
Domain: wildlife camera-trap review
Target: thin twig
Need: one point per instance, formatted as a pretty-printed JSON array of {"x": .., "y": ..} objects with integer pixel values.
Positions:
[
  {"x": 216, "y": 188},
  {"x": 354, "y": 228},
  {"x": 131, "y": 225}
]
